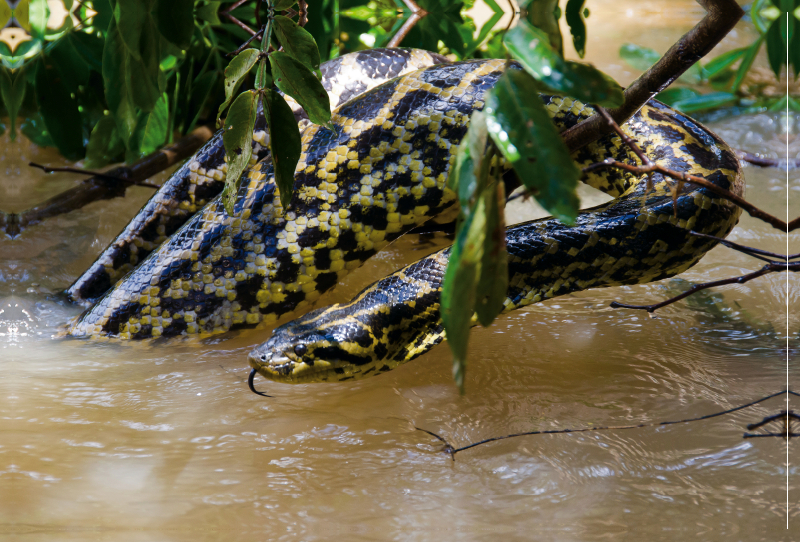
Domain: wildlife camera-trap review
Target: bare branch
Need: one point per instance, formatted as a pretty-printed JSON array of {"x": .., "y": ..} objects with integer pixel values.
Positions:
[
  {"x": 755, "y": 252},
  {"x": 721, "y": 17},
  {"x": 651, "y": 167},
  {"x": 773, "y": 267},
  {"x": 452, "y": 450},
  {"x": 417, "y": 13},
  {"x": 111, "y": 184}
]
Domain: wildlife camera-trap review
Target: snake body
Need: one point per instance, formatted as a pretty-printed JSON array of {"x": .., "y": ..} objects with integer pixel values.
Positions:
[
  {"x": 202, "y": 177},
  {"x": 382, "y": 172}
]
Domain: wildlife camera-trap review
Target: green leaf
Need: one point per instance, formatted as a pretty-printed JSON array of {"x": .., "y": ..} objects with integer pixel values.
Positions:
[
  {"x": 281, "y": 5},
  {"x": 469, "y": 163},
  {"x": 150, "y": 132},
  {"x": 73, "y": 68},
  {"x": 142, "y": 75},
  {"x": 642, "y": 58},
  {"x": 458, "y": 289},
  {"x": 115, "y": 61},
  {"x": 37, "y": 18},
  {"x": 702, "y": 102},
  {"x": 176, "y": 21},
  {"x": 747, "y": 61},
  {"x": 300, "y": 83},
  {"x": 530, "y": 47},
  {"x": 297, "y": 41},
  {"x": 576, "y": 25},
  {"x": 723, "y": 61},
  {"x": 105, "y": 145},
  {"x": 131, "y": 18},
  {"x": 284, "y": 142},
  {"x": 238, "y": 68},
  {"x": 13, "y": 92},
  {"x": 88, "y": 48},
  {"x": 209, "y": 13},
  {"x": 674, "y": 94},
  {"x": 59, "y": 110},
  {"x": 492, "y": 288},
  {"x": 237, "y": 138},
  {"x": 544, "y": 15},
  {"x": 776, "y": 50},
  {"x": 5, "y": 14},
  {"x": 523, "y": 131}
]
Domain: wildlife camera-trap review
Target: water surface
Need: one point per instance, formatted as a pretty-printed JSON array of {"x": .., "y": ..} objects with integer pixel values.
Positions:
[{"x": 163, "y": 441}]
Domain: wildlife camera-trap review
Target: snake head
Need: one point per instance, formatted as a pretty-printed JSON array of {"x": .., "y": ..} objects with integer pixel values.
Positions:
[{"x": 315, "y": 350}]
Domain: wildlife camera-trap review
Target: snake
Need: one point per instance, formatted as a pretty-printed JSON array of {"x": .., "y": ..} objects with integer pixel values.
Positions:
[{"x": 381, "y": 171}]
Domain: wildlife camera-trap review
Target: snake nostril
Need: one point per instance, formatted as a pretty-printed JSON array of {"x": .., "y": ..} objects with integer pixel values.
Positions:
[
  {"x": 263, "y": 357},
  {"x": 300, "y": 349}
]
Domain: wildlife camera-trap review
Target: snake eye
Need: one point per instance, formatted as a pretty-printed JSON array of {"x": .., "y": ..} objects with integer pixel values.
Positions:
[{"x": 300, "y": 349}]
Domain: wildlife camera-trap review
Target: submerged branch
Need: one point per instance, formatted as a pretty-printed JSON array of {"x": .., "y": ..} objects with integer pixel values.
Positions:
[{"x": 452, "y": 450}]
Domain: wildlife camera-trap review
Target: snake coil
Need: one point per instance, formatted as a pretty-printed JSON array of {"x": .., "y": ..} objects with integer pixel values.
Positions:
[{"x": 381, "y": 173}]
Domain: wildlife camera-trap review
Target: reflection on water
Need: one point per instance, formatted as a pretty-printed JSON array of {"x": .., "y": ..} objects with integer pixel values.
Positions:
[{"x": 162, "y": 440}]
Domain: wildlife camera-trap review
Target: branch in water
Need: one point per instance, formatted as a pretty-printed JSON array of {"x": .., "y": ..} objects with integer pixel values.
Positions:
[
  {"x": 721, "y": 17},
  {"x": 452, "y": 450},
  {"x": 108, "y": 185}
]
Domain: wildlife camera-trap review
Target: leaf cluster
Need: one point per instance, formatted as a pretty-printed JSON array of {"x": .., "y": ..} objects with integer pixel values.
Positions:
[
  {"x": 118, "y": 78},
  {"x": 514, "y": 131},
  {"x": 294, "y": 71}
]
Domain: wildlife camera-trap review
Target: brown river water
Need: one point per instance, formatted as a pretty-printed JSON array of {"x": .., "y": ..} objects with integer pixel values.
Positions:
[{"x": 163, "y": 441}]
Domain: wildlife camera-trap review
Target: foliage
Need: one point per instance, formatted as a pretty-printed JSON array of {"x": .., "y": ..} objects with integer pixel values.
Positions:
[{"x": 726, "y": 73}]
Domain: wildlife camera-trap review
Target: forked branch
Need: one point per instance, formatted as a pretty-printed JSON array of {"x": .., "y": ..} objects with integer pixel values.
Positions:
[{"x": 721, "y": 17}]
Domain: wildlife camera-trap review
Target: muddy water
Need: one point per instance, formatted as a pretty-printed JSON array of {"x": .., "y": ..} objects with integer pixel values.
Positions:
[{"x": 162, "y": 440}]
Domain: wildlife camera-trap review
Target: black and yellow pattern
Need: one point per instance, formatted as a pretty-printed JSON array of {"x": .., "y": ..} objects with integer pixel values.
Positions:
[
  {"x": 639, "y": 237},
  {"x": 380, "y": 173},
  {"x": 202, "y": 178}
]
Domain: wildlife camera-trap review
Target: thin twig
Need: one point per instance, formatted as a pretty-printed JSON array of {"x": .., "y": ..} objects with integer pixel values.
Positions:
[
  {"x": 233, "y": 6},
  {"x": 721, "y": 17},
  {"x": 452, "y": 450},
  {"x": 417, "y": 13},
  {"x": 302, "y": 17},
  {"x": 748, "y": 250},
  {"x": 772, "y": 267},
  {"x": 239, "y": 23},
  {"x": 123, "y": 178},
  {"x": 255, "y": 36},
  {"x": 649, "y": 167},
  {"x": 258, "y": 14},
  {"x": 111, "y": 184}
]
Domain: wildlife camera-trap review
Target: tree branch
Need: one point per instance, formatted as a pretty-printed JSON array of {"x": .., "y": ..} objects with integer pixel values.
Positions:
[
  {"x": 651, "y": 167},
  {"x": 721, "y": 17},
  {"x": 417, "y": 13},
  {"x": 108, "y": 185},
  {"x": 452, "y": 450}
]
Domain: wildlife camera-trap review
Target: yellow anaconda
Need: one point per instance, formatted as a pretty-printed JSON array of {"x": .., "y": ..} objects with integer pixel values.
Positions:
[
  {"x": 382, "y": 172},
  {"x": 202, "y": 178}
]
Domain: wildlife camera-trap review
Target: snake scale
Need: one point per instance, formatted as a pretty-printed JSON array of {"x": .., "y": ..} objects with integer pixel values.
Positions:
[{"x": 381, "y": 173}]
